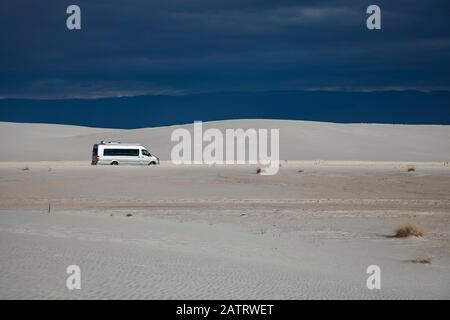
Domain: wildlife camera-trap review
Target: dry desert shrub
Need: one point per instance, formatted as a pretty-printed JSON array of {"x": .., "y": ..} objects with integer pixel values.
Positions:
[
  {"x": 408, "y": 230},
  {"x": 259, "y": 170},
  {"x": 422, "y": 260},
  {"x": 26, "y": 168},
  {"x": 411, "y": 169}
]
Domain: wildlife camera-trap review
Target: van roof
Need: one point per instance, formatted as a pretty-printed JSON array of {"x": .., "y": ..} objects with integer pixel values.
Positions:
[{"x": 118, "y": 144}]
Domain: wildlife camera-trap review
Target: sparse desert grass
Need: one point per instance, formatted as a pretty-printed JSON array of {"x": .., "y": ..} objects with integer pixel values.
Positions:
[
  {"x": 26, "y": 168},
  {"x": 422, "y": 260},
  {"x": 300, "y": 171},
  {"x": 129, "y": 214},
  {"x": 408, "y": 230},
  {"x": 411, "y": 169}
]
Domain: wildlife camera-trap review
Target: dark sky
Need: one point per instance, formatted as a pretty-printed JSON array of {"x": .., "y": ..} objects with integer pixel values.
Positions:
[{"x": 185, "y": 47}]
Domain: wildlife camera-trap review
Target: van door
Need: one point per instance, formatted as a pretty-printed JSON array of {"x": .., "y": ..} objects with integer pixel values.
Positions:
[
  {"x": 134, "y": 156},
  {"x": 142, "y": 157}
]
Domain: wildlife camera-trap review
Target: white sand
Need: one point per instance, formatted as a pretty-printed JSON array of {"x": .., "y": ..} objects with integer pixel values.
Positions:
[
  {"x": 224, "y": 232},
  {"x": 299, "y": 140}
]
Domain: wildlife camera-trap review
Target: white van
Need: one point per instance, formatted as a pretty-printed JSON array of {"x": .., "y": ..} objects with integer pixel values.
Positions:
[{"x": 115, "y": 153}]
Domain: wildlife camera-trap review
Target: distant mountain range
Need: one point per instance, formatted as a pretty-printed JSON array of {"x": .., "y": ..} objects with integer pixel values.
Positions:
[{"x": 399, "y": 107}]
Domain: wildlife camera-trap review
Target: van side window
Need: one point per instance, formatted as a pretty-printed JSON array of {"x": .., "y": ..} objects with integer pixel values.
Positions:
[{"x": 121, "y": 152}]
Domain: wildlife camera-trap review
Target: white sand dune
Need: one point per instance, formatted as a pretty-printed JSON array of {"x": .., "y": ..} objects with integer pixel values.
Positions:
[
  {"x": 299, "y": 140},
  {"x": 225, "y": 232}
]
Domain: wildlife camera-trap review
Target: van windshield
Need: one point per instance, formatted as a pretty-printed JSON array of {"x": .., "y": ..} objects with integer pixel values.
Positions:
[{"x": 145, "y": 153}]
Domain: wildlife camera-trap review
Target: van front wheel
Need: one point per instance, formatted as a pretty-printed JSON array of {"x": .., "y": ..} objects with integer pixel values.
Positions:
[
  {"x": 152, "y": 163},
  {"x": 114, "y": 163}
]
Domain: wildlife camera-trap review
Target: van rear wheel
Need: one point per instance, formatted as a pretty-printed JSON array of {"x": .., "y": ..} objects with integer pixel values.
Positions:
[{"x": 114, "y": 163}]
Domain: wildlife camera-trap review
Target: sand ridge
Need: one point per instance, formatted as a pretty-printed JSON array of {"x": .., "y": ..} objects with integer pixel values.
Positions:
[{"x": 299, "y": 140}]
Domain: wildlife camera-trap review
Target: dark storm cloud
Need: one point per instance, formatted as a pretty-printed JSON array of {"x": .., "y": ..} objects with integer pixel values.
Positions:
[{"x": 181, "y": 46}]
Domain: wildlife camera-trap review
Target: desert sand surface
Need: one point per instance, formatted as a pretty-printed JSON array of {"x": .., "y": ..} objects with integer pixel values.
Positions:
[
  {"x": 299, "y": 140},
  {"x": 167, "y": 232},
  {"x": 225, "y": 232}
]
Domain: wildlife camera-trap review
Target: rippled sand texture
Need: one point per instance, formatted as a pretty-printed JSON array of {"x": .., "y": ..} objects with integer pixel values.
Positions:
[{"x": 167, "y": 232}]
